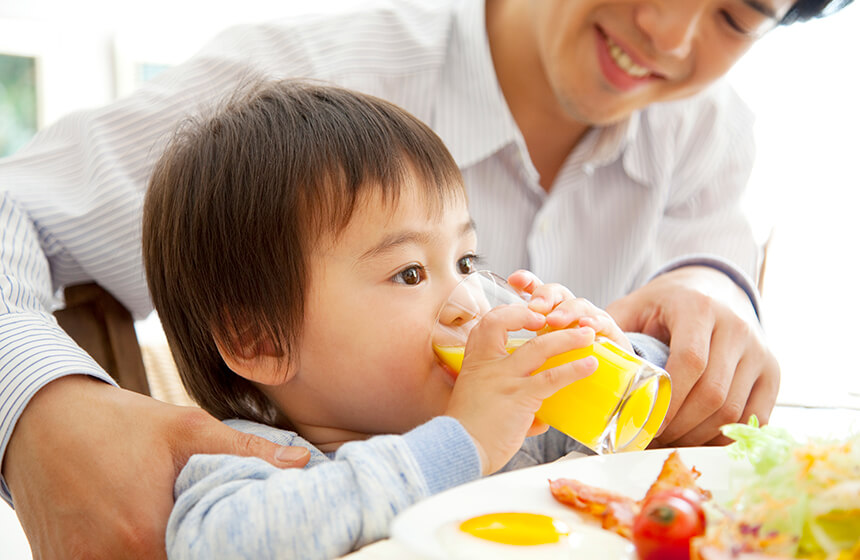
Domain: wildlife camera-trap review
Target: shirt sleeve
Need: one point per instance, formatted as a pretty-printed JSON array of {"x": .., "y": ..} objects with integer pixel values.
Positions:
[
  {"x": 33, "y": 349},
  {"x": 738, "y": 276},
  {"x": 649, "y": 348},
  {"x": 711, "y": 155},
  {"x": 235, "y": 507}
]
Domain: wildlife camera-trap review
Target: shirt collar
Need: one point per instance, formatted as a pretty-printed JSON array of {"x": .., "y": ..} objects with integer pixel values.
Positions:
[
  {"x": 621, "y": 141},
  {"x": 612, "y": 140}
]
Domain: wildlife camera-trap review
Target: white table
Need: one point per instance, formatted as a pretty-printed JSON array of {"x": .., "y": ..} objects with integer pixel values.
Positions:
[{"x": 800, "y": 420}]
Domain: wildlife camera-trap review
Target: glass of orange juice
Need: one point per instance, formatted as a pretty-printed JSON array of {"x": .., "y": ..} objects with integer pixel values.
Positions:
[{"x": 619, "y": 407}]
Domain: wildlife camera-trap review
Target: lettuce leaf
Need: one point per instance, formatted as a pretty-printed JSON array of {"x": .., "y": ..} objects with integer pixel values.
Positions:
[{"x": 807, "y": 492}]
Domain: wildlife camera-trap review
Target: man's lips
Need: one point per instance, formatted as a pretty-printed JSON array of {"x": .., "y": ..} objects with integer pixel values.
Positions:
[{"x": 623, "y": 69}]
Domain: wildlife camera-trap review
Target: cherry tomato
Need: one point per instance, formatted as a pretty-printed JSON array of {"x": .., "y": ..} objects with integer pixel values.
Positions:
[{"x": 668, "y": 520}]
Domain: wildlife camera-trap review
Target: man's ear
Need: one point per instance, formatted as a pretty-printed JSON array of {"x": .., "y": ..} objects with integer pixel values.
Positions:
[{"x": 259, "y": 361}]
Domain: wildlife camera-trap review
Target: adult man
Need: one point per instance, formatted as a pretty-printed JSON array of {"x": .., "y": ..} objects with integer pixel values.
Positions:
[{"x": 555, "y": 112}]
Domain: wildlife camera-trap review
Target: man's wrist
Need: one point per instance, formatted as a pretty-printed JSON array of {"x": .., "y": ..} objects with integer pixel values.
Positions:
[{"x": 726, "y": 268}]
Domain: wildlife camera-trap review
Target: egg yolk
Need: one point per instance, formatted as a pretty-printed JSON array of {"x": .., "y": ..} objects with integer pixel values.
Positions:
[{"x": 524, "y": 529}]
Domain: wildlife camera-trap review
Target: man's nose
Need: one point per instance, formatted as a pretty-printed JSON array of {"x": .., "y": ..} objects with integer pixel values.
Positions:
[{"x": 671, "y": 25}]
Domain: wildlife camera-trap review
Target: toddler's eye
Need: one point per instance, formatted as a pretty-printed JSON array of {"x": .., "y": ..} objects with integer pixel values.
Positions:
[
  {"x": 411, "y": 276},
  {"x": 467, "y": 264}
]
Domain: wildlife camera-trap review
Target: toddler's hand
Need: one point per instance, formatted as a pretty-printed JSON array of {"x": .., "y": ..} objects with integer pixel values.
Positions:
[
  {"x": 562, "y": 309},
  {"x": 495, "y": 396}
]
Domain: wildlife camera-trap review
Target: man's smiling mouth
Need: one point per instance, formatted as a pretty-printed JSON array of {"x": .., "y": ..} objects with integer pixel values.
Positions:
[{"x": 623, "y": 60}]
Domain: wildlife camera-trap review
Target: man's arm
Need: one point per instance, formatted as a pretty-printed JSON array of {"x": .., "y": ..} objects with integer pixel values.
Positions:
[
  {"x": 91, "y": 467},
  {"x": 701, "y": 300}
]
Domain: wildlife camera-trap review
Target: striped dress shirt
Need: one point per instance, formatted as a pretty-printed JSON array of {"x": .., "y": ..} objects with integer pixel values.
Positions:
[{"x": 655, "y": 192}]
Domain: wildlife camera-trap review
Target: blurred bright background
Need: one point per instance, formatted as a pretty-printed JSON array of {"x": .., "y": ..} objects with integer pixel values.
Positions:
[{"x": 801, "y": 82}]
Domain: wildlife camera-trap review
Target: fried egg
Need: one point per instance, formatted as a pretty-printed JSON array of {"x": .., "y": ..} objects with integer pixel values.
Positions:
[{"x": 521, "y": 535}]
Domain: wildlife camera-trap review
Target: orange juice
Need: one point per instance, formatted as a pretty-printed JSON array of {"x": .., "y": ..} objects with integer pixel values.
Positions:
[{"x": 619, "y": 407}]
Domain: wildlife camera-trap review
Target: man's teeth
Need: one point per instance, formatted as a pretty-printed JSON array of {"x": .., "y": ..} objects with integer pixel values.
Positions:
[{"x": 623, "y": 60}]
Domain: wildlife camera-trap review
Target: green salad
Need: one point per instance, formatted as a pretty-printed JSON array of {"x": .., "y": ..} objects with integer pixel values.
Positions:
[{"x": 793, "y": 499}]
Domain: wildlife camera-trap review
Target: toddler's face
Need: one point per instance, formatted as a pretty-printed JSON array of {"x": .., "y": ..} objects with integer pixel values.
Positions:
[{"x": 366, "y": 363}]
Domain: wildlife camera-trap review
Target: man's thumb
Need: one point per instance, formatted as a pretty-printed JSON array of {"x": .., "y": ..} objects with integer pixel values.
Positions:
[
  {"x": 248, "y": 445},
  {"x": 205, "y": 434}
]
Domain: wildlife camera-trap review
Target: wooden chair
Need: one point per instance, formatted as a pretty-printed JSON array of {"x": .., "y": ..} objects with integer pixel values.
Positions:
[{"x": 105, "y": 329}]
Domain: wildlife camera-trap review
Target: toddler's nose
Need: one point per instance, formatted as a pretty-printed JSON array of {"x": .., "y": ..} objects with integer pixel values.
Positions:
[
  {"x": 459, "y": 314},
  {"x": 456, "y": 313}
]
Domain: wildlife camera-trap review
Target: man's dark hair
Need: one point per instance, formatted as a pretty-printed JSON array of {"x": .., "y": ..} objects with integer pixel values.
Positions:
[{"x": 804, "y": 10}]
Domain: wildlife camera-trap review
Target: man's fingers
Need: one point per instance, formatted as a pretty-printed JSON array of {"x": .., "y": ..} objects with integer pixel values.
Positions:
[
  {"x": 624, "y": 314},
  {"x": 721, "y": 393},
  {"x": 198, "y": 432},
  {"x": 731, "y": 410},
  {"x": 248, "y": 445},
  {"x": 712, "y": 377},
  {"x": 761, "y": 401},
  {"x": 689, "y": 352}
]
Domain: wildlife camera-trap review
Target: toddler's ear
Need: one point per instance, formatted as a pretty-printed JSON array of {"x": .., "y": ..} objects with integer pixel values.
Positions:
[{"x": 256, "y": 360}]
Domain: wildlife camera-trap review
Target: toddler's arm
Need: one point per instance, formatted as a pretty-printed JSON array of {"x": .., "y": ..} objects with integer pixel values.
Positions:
[{"x": 235, "y": 507}]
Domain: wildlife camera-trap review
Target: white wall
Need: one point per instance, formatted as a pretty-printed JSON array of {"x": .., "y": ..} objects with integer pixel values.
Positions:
[{"x": 802, "y": 83}]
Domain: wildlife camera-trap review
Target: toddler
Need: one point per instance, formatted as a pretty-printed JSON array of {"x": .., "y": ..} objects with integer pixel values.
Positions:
[{"x": 299, "y": 243}]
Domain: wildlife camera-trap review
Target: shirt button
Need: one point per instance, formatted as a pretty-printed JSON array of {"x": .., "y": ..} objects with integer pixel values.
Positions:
[{"x": 588, "y": 169}]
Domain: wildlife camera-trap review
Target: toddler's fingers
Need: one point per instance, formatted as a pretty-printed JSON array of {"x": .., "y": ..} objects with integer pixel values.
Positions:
[
  {"x": 489, "y": 337},
  {"x": 537, "y": 428},
  {"x": 604, "y": 325},
  {"x": 547, "y": 383},
  {"x": 549, "y": 297},
  {"x": 524, "y": 281},
  {"x": 569, "y": 312},
  {"x": 532, "y": 355}
]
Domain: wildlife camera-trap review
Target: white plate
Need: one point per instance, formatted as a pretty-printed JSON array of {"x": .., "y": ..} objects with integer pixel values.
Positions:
[{"x": 527, "y": 490}]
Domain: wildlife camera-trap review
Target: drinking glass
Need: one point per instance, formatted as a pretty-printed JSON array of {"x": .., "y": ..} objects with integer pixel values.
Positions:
[{"x": 619, "y": 407}]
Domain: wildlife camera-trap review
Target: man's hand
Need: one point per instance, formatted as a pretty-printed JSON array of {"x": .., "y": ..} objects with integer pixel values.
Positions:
[
  {"x": 721, "y": 368},
  {"x": 91, "y": 467}
]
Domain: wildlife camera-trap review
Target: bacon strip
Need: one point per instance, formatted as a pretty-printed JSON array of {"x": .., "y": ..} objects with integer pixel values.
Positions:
[
  {"x": 675, "y": 474},
  {"x": 616, "y": 511}
]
